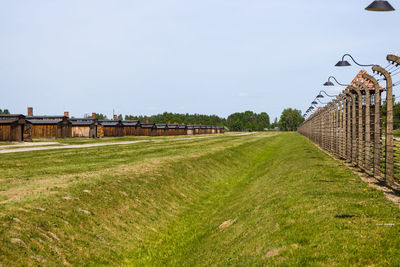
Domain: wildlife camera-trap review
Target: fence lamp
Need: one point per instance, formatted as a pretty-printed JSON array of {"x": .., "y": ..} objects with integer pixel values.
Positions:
[
  {"x": 380, "y": 5},
  {"x": 345, "y": 63},
  {"x": 329, "y": 83}
]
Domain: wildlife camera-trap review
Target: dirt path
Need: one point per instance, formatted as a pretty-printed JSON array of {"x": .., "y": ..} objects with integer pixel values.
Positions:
[
  {"x": 24, "y": 148},
  {"x": 28, "y": 144}
]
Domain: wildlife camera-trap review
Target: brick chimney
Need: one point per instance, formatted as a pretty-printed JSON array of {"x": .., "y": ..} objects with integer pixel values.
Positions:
[
  {"x": 133, "y": 118},
  {"x": 183, "y": 123},
  {"x": 115, "y": 117},
  {"x": 147, "y": 121},
  {"x": 175, "y": 122},
  {"x": 169, "y": 122},
  {"x": 66, "y": 114},
  {"x": 30, "y": 111},
  {"x": 93, "y": 115}
]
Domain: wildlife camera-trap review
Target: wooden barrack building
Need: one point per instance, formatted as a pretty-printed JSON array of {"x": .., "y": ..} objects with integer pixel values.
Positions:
[
  {"x": 50, "y": 126},
  {"x": 162, "y": 129},
  {"x": 84, "y": 127},
  {"x": 148, "y": 129},
  {"x": 112, "y": 128},
  {"x": 12, "y": 127}
]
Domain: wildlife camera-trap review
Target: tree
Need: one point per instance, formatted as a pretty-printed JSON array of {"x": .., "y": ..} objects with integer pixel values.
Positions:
[
  {"x": 248, "y": 121},
  {"x": 100, "y": 116},
  {"x": 396, "y": 114},
  {"x": 290, "y": 119},
  {"x": 5, "y": 111},
  {"x": 275, "y": 123}
]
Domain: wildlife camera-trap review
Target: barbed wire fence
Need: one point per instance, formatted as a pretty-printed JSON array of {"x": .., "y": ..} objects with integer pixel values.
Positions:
[{"x": 352, "y": 127}]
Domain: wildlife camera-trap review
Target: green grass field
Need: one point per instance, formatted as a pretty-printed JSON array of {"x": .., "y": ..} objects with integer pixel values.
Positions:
[
  {"x": 74, "y": 141},
  {"x": 261, "y": 199}
]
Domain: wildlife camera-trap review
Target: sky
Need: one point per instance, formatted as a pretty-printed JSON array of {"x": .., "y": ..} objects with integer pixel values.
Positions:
[{"x": 184, "y": 56}]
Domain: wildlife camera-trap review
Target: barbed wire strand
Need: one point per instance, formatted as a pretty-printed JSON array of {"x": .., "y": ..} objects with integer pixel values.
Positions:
[{"x": 386, "y": 68}]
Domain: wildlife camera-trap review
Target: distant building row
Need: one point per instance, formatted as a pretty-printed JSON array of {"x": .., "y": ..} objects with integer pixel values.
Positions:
[{"x": 18, "y": 127}]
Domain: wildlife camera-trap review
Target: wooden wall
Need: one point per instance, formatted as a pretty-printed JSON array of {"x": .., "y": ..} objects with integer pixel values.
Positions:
[
  {"x": 5, "y": 132},
  {"x": 51, "y": 131},
  {"x": 110, "y": 131},
  {"x": 113, "y": 131},
  {"x": 45, "y": 131},
  {"x": 172, "y": 132},
  {"x": 130, "y": 131},
  {"x": 17, "y": 132},
  {"x": 149, "y": 132},
  {"x": 11, "y": 132},
  {"x": 100, "y": 131},
  {"x": 146, "y": 131},
  {"x": 81, "y": 131},
  {"x": 162, "y": 132}
]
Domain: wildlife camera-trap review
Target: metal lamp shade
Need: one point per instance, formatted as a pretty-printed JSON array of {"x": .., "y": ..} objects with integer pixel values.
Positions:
[
  {"x": 314, "y": 102},
  {"x": 328, "y": 83},
  {"x": 380, "y": 5},
  {"x": 342, "y": 63},
  {"x": 320, "y": 96}
]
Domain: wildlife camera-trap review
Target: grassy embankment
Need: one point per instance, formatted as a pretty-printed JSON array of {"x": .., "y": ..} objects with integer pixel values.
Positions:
[{"x": 285, "y": 201}]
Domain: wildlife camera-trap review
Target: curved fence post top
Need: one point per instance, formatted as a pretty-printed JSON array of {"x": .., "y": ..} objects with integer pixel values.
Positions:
[
  {"x": 371, "y": 79},
  {"x": 393, "y": 59},
  {"x": 347, "y": 92},
  {"x": 355, "y": 89},
  {"x": 330, "y": 105},
  {"x": 362, "y": 86},
  {"x": 381, "y": 71},
  {"x": 338, "y": 101}
]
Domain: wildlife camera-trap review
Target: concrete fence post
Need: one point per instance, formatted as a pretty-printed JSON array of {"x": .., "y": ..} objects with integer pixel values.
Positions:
[
  {"x": 360, "y": 137},
  {"x": 339, "y": 127},
  {"x": 353, "y": 127},
  {"x": 389, "y": 164},
  {"x": 344, "y": 134},
  {"x": 377, "y": 124},
  {"x": 367, "y": 118}
]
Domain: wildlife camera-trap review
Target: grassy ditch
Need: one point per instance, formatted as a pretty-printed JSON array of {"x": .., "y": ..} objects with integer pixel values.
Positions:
[{"x": 246, "y": 200}]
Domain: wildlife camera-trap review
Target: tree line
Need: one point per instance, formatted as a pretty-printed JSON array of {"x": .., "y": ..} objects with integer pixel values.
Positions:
[
  {"x": 239, "y": 121},
  {"x": 248, "y": 121},
  {"x": 181, "y": 118}
]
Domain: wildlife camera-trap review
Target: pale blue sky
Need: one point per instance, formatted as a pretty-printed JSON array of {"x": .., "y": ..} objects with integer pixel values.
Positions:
[{"x": 208, "y": 56}]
